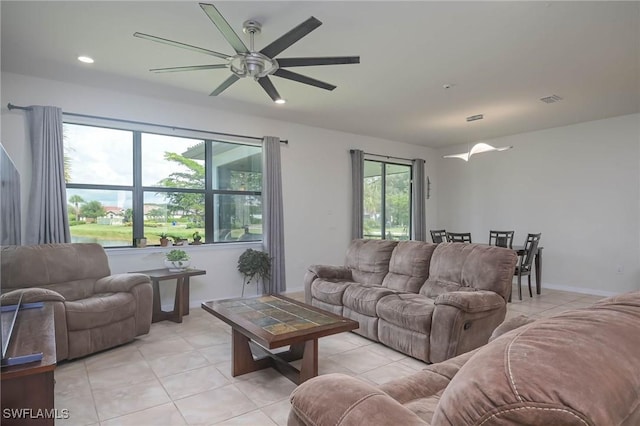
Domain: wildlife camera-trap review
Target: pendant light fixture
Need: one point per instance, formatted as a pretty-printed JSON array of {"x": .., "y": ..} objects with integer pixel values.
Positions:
[{"x": 478, "y": 148}]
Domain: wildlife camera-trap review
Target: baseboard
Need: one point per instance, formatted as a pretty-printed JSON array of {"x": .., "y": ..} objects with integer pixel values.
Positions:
[{"x": 580, "y": 290}]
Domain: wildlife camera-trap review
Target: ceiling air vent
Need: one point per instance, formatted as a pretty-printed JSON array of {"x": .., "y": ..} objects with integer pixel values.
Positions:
[
  {"x": 475, "y": 117},
  {"x": 551, "y": 99}
]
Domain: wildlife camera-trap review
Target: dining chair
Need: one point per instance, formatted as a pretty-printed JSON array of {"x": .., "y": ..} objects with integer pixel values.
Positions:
[
  {"x": 501, "y": 238},
  {"x": 459, "y": 237},
  {"x": 439, "y": 236},
  {"x": 525, "y": 264}
]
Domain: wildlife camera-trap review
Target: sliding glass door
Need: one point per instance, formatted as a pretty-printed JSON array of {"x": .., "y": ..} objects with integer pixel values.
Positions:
[{"x": 387, "y": 200}]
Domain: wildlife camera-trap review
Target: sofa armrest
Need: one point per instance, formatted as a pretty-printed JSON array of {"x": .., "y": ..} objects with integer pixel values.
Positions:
[
  {"x": 120, "y": 282},
  {"x": 326, "y": 272},
  {"x": 509, "y": 325},
  {"x": 139, "y": 285},
  {"x": 29, "y": 295},
  {"x": 331, "y": 272},
  {"x": 471, "y": 301},
  {"x": 338, "y": 399},
  {"x": 463, "y": 321}
]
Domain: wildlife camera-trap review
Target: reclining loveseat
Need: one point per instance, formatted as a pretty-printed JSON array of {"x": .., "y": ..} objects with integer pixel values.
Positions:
[
  {"x": 93, "y": 310},
  {"x": 432, "y": 302}
]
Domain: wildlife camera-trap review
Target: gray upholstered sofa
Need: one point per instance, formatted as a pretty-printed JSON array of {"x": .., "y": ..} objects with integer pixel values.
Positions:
[
  {"x": 93, "y": 310},
  {"x": 429, "y": 301},
  {"x": 579, "y": 367}
]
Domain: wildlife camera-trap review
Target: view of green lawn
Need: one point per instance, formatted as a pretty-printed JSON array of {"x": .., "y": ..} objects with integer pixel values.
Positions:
[
  {"x": 123, "y": 234},
  {"x": 118, "y": 235}
]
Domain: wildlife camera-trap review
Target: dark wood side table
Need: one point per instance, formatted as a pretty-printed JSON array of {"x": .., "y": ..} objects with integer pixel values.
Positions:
[
  {"x": 31, "y": 386},
  {"x": 181, "y": 301}
]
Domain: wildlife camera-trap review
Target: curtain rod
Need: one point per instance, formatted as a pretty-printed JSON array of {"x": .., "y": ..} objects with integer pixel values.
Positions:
[
  {"x": 385, "y": 156},
  {"x": 10, "y": 106}
]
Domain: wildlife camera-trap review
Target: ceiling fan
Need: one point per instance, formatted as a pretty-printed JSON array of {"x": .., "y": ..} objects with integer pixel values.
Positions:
[{"x": 247, "y": 62}]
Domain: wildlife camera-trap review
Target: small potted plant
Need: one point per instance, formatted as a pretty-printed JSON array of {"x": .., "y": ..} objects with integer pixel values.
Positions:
[
  {"x": 254, "y": 264},
  {"x": 177, "y": 260},
  {"x": 197, "y": 238},
  {"x": 178, "y": 241},
  {"x": 164, "y": 240}
]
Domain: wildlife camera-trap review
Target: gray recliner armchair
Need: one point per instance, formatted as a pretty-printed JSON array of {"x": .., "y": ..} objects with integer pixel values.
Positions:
[{"x": 93, "y": 310}]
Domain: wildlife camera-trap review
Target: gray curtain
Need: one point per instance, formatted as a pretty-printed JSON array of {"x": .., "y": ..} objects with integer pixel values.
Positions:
[
  {"x": 357, "y": 193},
  {"x": 272, "y": 210},
  {"x": 418, "y": 216},
  {"x": 47, "y": 220}
]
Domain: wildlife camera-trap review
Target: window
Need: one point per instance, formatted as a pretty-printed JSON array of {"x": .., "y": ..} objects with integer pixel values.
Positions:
[
  {"x": 127, "y": 184},
  {"x": 387, "y": 200}
]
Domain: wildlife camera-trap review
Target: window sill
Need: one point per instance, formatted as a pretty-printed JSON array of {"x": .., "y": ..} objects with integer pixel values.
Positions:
[{"x": 128, "y": 251}]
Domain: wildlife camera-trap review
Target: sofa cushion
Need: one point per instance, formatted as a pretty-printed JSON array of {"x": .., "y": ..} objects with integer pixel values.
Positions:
[
  {"x": 576, "y": 368},
  {"x": 369, "y": 260},
  {"x": 329, "y": 291},
  {"x": 99, "y": 310},
  {"x": 363, "y": 299},
  {"x": 460, "y": 267},
  {"x": 409, "y": 266},
  {"x": 407, "y": 310}
]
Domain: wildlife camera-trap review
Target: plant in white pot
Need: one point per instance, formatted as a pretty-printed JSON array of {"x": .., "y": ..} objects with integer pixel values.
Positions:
[
  {"x": 177, "y": 260},
  {"x": 254, "y": 265}
]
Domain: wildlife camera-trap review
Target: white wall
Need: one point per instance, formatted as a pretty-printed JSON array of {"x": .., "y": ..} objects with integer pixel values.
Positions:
[
  {"x": 316, "y": 175},
  {"x": 579, "y": 185}
]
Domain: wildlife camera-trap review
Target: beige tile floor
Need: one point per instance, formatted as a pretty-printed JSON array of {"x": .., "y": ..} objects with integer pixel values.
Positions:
[{"x": 179, "y": 374}]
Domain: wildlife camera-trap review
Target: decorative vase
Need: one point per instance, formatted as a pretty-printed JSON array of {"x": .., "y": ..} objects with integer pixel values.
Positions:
[{"x": 177, "y": 265}]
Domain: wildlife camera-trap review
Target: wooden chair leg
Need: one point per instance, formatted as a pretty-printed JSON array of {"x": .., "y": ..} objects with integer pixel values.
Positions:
[
  {"x": 530, "y": 292},
  {"x": 520, "y": 286}
]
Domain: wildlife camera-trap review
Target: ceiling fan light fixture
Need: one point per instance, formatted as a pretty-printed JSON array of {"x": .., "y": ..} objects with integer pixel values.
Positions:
[{"x": 247, "y": 62}]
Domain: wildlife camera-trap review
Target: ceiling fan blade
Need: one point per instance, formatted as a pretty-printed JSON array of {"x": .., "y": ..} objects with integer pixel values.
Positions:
[
  {"x": 224, "y": 27},
  {"x": 291, "y": 37},
  {"x": 191, "y": 68},
  {"x": 328, "y": 60},
  {"x": 181, "y": 45},
  {"x": 303, "y": 79},
  {"x": 225, "y": 84},
  {"x": 268, "y": 87}
]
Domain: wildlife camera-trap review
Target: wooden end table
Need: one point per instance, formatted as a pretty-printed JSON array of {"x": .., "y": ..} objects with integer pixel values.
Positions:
[
  {"x": 273, "y": 322},
  {"x": 31, "y": 386},
  {"x": 181, "y": 300}
]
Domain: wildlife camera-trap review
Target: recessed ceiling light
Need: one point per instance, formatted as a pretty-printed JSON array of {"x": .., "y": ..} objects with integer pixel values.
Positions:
[
  {"x": 85, "y": 59},
  {"x": 280, "y": 101}
]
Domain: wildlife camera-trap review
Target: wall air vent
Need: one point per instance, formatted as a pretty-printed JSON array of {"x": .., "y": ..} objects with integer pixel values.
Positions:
[
  {"x": 475, "y": 117},
  {"x": 551, "y": 99}
]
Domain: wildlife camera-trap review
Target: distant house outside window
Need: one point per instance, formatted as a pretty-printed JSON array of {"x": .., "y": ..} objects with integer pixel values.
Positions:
[
  {"x": 387, "y": 200},
  {"x": 128, "y": 184}
]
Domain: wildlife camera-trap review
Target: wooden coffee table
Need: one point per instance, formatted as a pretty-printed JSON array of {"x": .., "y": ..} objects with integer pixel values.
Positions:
[{"x": 273, "y": 322}]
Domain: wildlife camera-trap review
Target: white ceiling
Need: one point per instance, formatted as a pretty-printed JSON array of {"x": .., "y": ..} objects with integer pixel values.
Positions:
[{"x": 500, "y": 57}]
